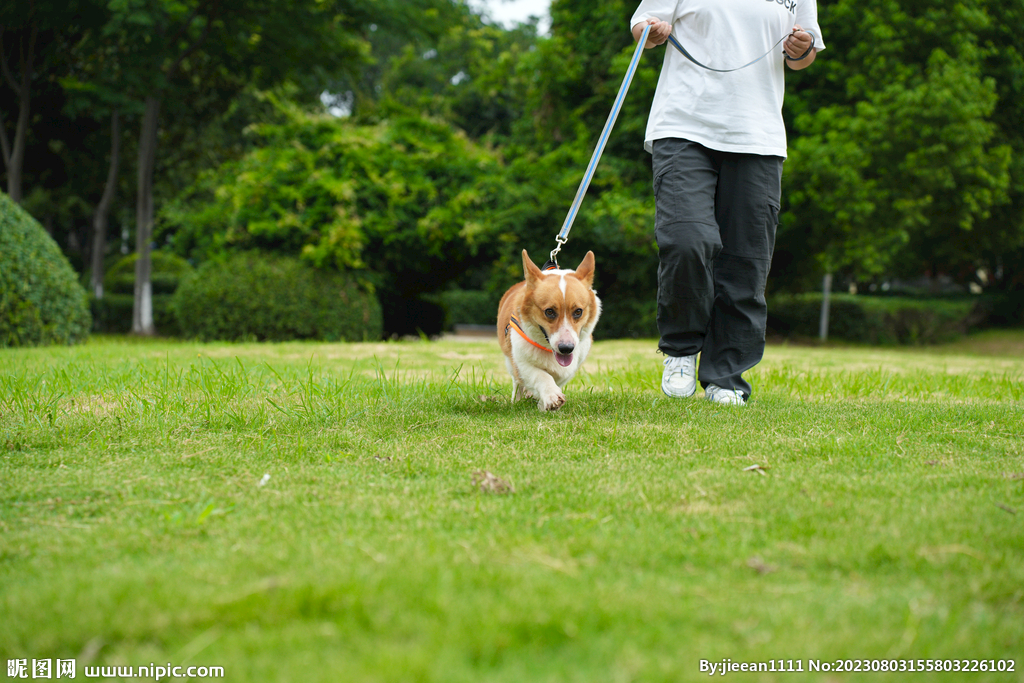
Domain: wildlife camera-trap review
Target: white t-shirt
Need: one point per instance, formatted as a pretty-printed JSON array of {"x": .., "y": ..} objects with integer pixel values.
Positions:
[{"x": 739, "y": 111}]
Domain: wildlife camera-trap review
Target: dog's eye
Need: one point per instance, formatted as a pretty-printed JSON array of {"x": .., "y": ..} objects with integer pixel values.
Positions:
[
  {"x": 578, "y": 313},
  {"x": 550, "y": 313}
]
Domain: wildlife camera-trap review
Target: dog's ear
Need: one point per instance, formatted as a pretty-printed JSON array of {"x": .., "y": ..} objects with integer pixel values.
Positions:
[
  {"x": 531, "y": 271},
  {"x": 586, "y": 270}
]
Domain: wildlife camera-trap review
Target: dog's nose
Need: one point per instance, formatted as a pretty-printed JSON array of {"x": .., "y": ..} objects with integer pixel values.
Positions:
[{"x": 565, "y": 349}]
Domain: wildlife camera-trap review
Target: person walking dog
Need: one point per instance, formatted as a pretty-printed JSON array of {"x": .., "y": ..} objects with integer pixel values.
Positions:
[{"x": 717, "y": 142}]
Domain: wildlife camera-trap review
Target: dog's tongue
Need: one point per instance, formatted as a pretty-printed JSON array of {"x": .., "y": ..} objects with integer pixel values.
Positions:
[{"x": 563, "y": 360}]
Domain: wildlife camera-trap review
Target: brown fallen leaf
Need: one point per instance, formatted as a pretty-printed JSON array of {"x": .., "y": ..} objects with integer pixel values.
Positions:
[
  {"x": 491, "y": 483},
  {"x": 760, "y": 566},
  {"x": 760, "y": 469}
]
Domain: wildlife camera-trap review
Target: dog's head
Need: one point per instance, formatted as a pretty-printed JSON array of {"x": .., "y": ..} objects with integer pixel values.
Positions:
[{"x": 562, "y": 303}]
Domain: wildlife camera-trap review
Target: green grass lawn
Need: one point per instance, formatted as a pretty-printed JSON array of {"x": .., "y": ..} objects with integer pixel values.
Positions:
[{"x": 319, "y": 512}]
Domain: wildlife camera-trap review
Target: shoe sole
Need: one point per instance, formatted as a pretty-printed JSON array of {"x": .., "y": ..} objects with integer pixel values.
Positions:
[{"x": 672, "y": 395}]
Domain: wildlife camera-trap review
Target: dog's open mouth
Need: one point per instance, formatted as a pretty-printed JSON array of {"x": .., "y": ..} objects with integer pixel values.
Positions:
[{"x": 565, "y": 360}]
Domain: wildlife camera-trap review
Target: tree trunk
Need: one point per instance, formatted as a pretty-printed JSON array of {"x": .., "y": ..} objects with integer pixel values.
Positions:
[
  {"x": 826, "y": 305},
  {"x": 20, "y": 139},
  {"x": 99, "y": 219},
  {"x": 142, "y": 312},
  {"x": 14, "y": 155}
]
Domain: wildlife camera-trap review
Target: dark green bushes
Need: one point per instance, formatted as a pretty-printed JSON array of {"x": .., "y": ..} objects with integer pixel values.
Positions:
[
  {"x": 41, "y": 301},
  {"x": 469, "y": 307},
  {"x": 274, "y": 298},
  {"x": 874, "y": 320},
  {"x": 113, "y": 313}
]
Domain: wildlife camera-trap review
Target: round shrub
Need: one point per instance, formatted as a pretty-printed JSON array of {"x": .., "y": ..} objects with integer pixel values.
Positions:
[
  {"x": 41, "y": 301},
  {"x": 167, "y": 271},
  {"x": 264, "y": 297},
  {"x": 113, "y": 313}
]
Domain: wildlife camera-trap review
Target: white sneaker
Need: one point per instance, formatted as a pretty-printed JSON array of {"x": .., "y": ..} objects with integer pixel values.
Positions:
[
  {"x": 727, "y": 397},
  {"x": 679, "y": 378}
]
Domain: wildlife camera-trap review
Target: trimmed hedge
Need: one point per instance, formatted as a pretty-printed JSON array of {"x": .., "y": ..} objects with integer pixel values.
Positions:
[
  {"x": 41, "y": 301},
  {"x": 469, "y": 307},
  {"x": 873, "y": 320},
  {"x": 631, "y": 318},
  {"x": 273, "y": 298},
  {"x": 113, "y": 313},
  {"x": 167, "y": 272}
]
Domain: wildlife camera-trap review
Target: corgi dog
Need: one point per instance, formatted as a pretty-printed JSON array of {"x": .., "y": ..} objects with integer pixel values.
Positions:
[{"x": 544, "y": 329}]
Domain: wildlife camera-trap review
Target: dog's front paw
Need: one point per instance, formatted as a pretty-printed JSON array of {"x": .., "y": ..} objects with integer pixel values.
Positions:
[{"x": 552, "y": 401}]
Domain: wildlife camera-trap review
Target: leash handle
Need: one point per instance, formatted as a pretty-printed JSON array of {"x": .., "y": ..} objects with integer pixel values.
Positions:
[{"x": 563, "y": 234}]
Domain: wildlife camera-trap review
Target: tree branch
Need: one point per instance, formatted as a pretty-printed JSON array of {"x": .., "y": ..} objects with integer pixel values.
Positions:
[
  {"x": 8, "y": 76},
  {"x": 5, "y": 144}
]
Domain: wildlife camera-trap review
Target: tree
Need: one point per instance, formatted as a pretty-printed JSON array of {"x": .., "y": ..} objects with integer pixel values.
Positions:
[
  {"x": 173, "y": 45},
  {"x": 407, "y": 202},
  {"x": 93, "y": 89},
  {"x": 34, "y": 36},
  {"x": 896, "y": 160}
]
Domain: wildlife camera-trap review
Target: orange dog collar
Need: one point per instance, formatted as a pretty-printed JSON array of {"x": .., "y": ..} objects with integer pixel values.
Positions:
[{"x": 514, "y": 324}]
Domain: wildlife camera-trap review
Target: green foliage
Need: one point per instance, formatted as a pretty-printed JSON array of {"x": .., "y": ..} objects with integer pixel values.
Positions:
[
  {"x": 41, "y": 301},
  {"x": 168, "y": 269},
  {"x": 629, "y": 317},
  {"x": 898, "y": 161},
  {"x": 469, "y": 307},
  {"x": 266, "y": 297},
  {"x": 407, "y": 199},
  {"x": 874, "y": 320},
  {"x": 113, "y": 313}
]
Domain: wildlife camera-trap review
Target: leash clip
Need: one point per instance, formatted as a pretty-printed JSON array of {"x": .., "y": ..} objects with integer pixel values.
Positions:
[{"x": 553, "y": 258}]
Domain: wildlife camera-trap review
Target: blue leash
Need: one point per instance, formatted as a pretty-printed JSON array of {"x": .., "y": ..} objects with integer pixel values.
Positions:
[{"x": 563, "y": 234}]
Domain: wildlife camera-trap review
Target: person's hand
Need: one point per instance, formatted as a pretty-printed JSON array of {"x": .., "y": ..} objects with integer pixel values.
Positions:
[
  {"x": 660, "y": 31},
  {"x": 796, "y": 44}
]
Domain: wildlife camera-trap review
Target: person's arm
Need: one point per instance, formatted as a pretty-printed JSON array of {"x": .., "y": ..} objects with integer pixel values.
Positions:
[
  {"x": 796, "y": 45},
  {"x": 660, "y": 31}
]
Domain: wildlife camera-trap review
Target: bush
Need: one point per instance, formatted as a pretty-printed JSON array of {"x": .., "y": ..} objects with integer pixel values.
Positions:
[
  {"x": 1001, "y": 309},
  {"x": 167, "y": 272},
  {"x": 113, "y": 313},
  {"x": 873, "y": 320},
  {"x": 628, "y": 318},
  {"x": 469, "y": 307},
  {"x": 41, "y": 301},
  {"x": 273, "y": 298}
]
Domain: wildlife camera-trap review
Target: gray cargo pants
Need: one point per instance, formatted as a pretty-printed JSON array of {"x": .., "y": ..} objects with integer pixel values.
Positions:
[{"x": 715, "y": 226}]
